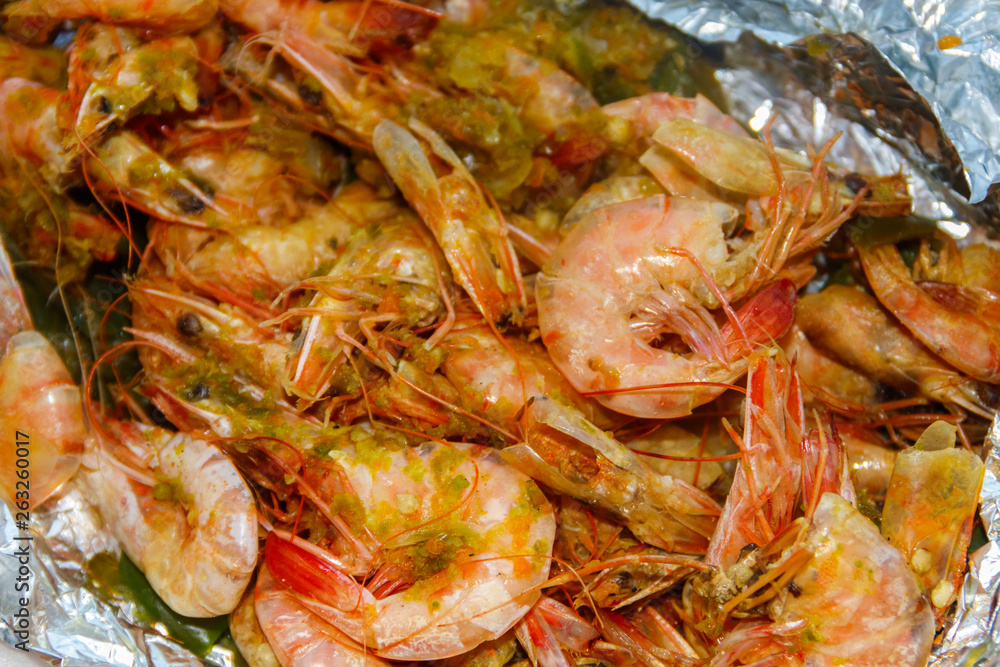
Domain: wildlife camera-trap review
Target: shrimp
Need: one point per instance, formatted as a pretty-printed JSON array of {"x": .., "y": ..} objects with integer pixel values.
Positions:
[
  {"x": 34, "y": 18},
  {"x": 453, "y": 207},
  {"x": 871, "y": 462},
  {"x": 246, "y": 631},
  {"x": 258, "y": 262},
  {"x": 37, "y": 394},
  {"x": 615, "y": 287},
  {"x": 496, "y": 377},
  {"x": 300, "y": 637},
  {"x": 345, "y": 24},
  {"x": 570, "y": 455},
  {"x": 389, "y": 275},
  {"x": 179, "y": 509},
  {"x": 464, "y": 543},
  {"x": 930, "y": 507},
  {"x": 762, "y": 500},
  {"x": 852, "y": 327},
  {"x": 854, "y": 601},
  {"x": 955, "y": 318},
  {"x": 634, "y": 121},
  {"x": 825, "y": 380},
  {"x": 115, "y": 76},
  {"x": 44, "y": 223}
]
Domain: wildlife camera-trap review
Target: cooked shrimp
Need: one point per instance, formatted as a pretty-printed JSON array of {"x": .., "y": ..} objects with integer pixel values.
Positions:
[
  {"x": 871, "y": 462},
  {"x": 930, "y": 508},
  {"x": 855, "y": 602},
  {"x": 853, "y": 328},
  {"x": 258, "y": 261},
  {"x": 126, "y": 168},
  {"x": 572, "y": 456},
  {"x": 635, "y": 120},
  {"x": 347, "y": 24},
  {"x": 765, "y": 491},
  {"x": 115, "y": 75},
  {"x": 469, "y": 231},
  {"x": 615, "y": 287},
  {"x": 39, "y": 404},
  {"x": 956, "y": 321},
  {"x": 170, "y": 16},
  {"x": 246, "y": 631},
  {"x": 300, "y": 637},
  {"x": 389, "y": 275},
  {"x": 496, "y": 377},
  {"x": 181, "y": 512},
  {"x": 826, "y": 381},
  {"x": 464, "y": 545},
  {"x": 44, "y": 223}
]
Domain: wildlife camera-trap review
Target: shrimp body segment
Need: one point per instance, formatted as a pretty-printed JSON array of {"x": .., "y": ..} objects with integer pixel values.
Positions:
[
  {"x": 181, "y": 512},
  {"x": 858, "y": 597},
  {"x": 469, "y": 540},
  {"x": 614, "y": 287}
]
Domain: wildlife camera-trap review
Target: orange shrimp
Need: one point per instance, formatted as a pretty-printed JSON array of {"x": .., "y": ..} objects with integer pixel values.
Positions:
[
  {"x": 466, "y": 227},
  {"x": 956, "y": 319}
]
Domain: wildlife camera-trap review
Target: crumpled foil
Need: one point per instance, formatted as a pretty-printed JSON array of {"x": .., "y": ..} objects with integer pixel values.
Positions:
[
  {"x": 948, "y": 54},
  {"x": 69, "y": 623},
  {"x": 871, "y": 69}
]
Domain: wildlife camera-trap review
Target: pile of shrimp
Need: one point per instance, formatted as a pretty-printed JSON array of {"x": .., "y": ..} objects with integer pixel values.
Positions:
[{"x": 443, "y": 357}]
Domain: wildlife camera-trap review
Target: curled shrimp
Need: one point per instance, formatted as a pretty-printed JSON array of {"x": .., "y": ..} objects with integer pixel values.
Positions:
[
  {"x": 37, "y": 393},
  {"x": 454, "y": 208},
  {"x": 464, "y": 538},
  {"x": 180, "y": 510},
  {"x": 615, "y": 287},
  {"x": 856, "y": 602}
]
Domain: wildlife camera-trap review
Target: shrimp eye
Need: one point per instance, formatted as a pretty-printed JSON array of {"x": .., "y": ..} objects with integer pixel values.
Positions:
[
  {"x": 198, "y": 392},
  {"x": 794, "y": 589},
  {"x": 189, "y": 325},
  {"x": 186, "y": 202},
  {"x": 103, "y": 105},
  {"x": 855, "y": 182}
]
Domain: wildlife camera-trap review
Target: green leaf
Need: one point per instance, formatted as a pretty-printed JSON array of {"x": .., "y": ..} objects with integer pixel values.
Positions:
[{"x": 198, "y": 635}]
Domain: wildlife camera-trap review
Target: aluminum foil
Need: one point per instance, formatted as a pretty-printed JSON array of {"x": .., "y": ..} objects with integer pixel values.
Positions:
[
  {"x": 901, "y": 102},
  {"x": 69, "y": 623},
  {"x": 947, "y": 52}
]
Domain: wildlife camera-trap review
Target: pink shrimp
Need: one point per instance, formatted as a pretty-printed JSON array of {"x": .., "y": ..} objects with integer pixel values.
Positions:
[
  {"x": 614, "y": 288},
  {"x": 40, "y": 405},
  {"x": 470, "y": 536}
]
